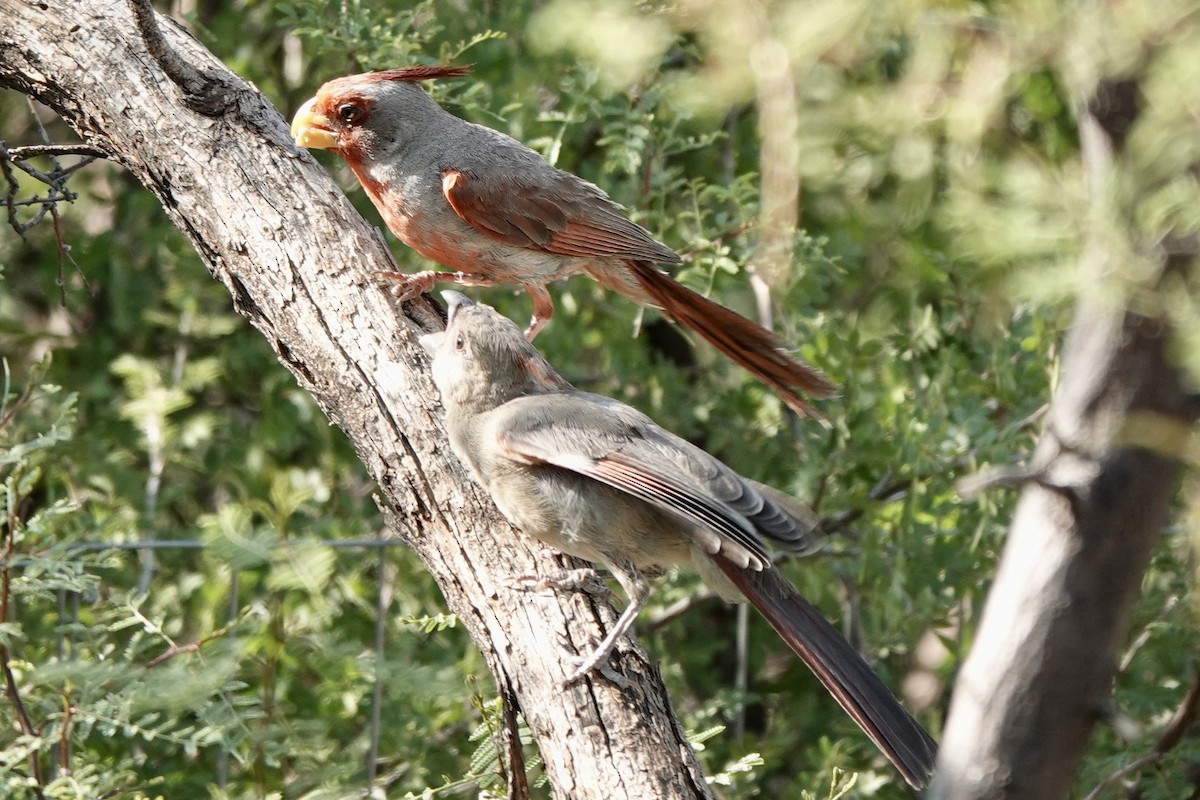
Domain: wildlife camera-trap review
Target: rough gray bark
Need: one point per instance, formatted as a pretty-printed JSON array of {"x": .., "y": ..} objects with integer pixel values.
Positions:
[
  {"x": 297, "y": 259},
  {"x": 1096, "y": 499}
]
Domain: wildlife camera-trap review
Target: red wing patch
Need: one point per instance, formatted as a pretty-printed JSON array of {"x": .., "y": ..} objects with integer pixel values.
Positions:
[{"x": 583, "y": 226}]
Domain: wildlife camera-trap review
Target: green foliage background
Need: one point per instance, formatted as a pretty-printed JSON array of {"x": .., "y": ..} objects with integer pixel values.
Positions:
[{"x": 943, "y": 211}]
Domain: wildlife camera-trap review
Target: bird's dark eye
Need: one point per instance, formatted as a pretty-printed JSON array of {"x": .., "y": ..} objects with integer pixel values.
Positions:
[
  {"x": 349, "y": 113},
  {"x": 460, "y": 342}
]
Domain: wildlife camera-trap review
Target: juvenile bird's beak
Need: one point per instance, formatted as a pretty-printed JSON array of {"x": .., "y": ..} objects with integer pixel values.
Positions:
[
  {"x": 311, "y": 129},
  {"x": 455, "y": 301}
]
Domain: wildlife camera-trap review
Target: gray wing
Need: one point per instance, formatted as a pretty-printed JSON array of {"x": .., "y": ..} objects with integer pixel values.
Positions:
[{"x": 617, "y": 445}]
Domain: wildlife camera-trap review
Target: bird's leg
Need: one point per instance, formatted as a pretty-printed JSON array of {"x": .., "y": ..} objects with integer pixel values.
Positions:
[
  {"x": 409, "y": 285},
  {"x": 637, "y": 590},
  {"x": 543, "y": 308}
]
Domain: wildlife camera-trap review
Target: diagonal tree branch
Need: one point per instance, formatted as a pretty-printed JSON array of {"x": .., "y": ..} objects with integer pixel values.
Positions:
[{"x": 297, "y": 259}]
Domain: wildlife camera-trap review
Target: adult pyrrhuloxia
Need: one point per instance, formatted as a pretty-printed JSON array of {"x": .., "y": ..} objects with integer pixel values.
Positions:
[
  {"x": 487, "y": 206},
  {"x": 599, "y": 480}
]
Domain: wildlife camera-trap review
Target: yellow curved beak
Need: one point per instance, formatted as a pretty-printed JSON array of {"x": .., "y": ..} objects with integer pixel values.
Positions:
[{"x": 311, "y": 129}]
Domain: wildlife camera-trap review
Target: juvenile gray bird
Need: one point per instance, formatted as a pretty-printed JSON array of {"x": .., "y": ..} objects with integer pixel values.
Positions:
[
  {"x": 487, "y": 206},
  {"x": 599, "y": 480}
]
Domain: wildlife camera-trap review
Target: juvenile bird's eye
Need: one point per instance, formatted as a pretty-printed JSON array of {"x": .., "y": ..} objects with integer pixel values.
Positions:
[
  {"x": 460, "y": 342},
  {"x": 349, "y": 113}
]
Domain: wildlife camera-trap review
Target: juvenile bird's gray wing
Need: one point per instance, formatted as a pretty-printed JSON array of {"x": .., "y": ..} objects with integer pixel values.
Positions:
[{"x": 617, "y": 445}]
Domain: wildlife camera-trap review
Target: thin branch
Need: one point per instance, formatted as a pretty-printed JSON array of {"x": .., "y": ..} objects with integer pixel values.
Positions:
[
  {"x": 64, "y": 736},
  {"x": 193, "y": 647},
  {"x": 10, "y": 681},
  {"x": 39, "y": 150},
  {"x": 971, "y": 487},
  {"x": 1183, "y": 718},
  {"x": 1147, "y": 632},
  {"x": 10, "y": 196},
  {"x": 25, "y": 723},
  {"x": 654, "y": 620},
  {"x": 1128, "y": 769},
  {"x": 55, "y": 180},
  {"x": 62, "y": 249},
  {"x": 518, "y": 782},
  {"x": 886, "y": 489},
  {"x": 1181, "y": 721},
  {"x": 6, "y": 416}
]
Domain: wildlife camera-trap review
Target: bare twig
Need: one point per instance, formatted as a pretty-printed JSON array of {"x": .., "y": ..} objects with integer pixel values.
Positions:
[
  {"x": 1183, "y": 718},
  {"x": 1006, "y": 476},
  {"x": 655, "y": 620},
  {"x": 10, "y": 195},
  {"x": 26, "y": 724},
  {"x": 1181, "y": 721},
  {"x": 12, "y": 520},
  {"x": 1128, "y": 769},
  {"x": 1144, "y": 636},
  {"x": 89, "y": 152},
  {"x": 518, "y": 782},
  {"x": 64, "y": 735},
  {"x": 55, "y": 180},
  {"x": 7, "y": 414},
  {"x": 192, "y": 647},
  {"x": 63, "y": 250},
  {"x": 885, "y": 489}
]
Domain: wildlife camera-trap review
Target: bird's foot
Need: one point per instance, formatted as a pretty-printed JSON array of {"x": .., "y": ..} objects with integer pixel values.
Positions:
[
  {"x": 534, "y": 326},
  {"x": 593, "y": 662},
  {"x": 585, "y": 580},
  {"x": 543, "y": 309},
  {"x": 407, "y": 286}
]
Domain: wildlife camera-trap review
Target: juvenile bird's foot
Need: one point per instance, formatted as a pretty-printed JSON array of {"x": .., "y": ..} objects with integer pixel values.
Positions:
[
  {"x": 585, "y": 580},
  {"x": 589, "y": 581},
  {"x": 593, "y": 662}
]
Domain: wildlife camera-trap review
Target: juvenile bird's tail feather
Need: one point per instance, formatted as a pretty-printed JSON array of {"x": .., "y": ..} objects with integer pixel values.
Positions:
[
  {"x": 753, "y": 347},
  {"x": 840, "y": 668}
]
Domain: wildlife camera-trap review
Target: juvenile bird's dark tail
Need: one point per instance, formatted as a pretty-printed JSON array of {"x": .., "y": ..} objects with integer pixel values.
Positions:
[
  {"x": 752, "y": 347},
  {"x": 840, "y": 668}
]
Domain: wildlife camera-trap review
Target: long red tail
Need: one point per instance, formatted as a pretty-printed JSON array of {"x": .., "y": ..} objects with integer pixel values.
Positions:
[
  {"x": 840, "y": 668},
  {"x": 753, "y": 347}
]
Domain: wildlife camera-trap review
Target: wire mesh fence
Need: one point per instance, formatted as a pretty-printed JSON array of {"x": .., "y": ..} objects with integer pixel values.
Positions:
[{"x": 68, "y": 604}]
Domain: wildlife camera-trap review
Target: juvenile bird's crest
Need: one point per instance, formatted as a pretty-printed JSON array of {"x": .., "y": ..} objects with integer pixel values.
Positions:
[{"x": 420, "y": 72}]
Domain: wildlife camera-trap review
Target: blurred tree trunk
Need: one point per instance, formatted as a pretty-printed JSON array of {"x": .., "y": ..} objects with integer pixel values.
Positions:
[
  {"x": 297, "y": 260},
  {"x": 1095, "y": 501}
]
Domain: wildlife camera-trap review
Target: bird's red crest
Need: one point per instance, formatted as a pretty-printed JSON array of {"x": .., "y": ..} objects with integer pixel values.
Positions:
[{"x": 420, "y": 72}]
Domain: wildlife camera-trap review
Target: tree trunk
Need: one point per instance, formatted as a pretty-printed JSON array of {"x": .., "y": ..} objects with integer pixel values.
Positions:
[
  {"x": 297, "y": 259},
  {"x": 1096, "y": 499}
]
